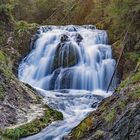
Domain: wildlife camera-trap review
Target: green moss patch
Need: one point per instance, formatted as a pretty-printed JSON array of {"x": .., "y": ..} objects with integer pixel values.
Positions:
[
  {"x": 135, "y": 78},
  {"x": 110, "y": 116},
  {"x": 78, "y": 132},
  {"x": 135, "y": 95},
  {"x": 99, "y": 134},
  {"x": 2, "y": 56},
  {"x": 2, "y": 92},
  {"x": 121, "y": 104}
]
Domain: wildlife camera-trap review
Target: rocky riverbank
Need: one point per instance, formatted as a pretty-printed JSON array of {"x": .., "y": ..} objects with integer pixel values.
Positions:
[{"x": 117, "y": 116}]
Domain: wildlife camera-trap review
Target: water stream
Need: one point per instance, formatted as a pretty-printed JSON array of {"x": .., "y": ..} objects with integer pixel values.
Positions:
[{"x": 70, "y": 66}]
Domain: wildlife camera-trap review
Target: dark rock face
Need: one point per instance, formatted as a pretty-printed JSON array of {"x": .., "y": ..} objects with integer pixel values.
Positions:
[
  {"x": 78, "y": 38},
  {"x": 66, "y": 79},
  {"x": 64, "y": 38},
  {"x": 53, "y": 79},
  {"x": 15, "y": 98},
  {"x": 66, "y": 55},
  {"x": 128, "y": 127}
]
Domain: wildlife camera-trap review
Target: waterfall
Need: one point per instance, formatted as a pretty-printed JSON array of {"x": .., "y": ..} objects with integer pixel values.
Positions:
[
  {"x": 69, "y": 57},
  {"x": 71, "y": 66}
]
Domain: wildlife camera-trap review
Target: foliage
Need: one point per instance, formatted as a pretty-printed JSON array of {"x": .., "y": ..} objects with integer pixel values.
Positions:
[{"x": 23, "y": 26}]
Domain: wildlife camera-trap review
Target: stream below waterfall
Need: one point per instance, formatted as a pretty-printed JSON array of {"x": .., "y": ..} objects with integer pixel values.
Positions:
[{"x": 71, "y": 67}]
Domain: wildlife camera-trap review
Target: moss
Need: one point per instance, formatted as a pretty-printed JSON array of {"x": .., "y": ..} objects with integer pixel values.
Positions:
[
  {"x": 110, "y": 116},
  {"x": 135, "y": 95},
  {"x": 5, "y": 9},
  {"x": 133, "y": 56},
  {"x": 135, "y": 78},
  {"x": 2, "y": 92},
  {"x": 23, "y": 33},
  {"x": 132, "y": 79},
  {"x": 99, "y": 134},
  {"x": 2, "y": 56},
  {"x": 78, "y": 132},
  {"x": 121, "y": 104},
  {"x": 3, "y": 65},
  {"x": 122, "y": 85},
  {"x": 8, "y": 73},
  {"x": 33, "y": 127}
]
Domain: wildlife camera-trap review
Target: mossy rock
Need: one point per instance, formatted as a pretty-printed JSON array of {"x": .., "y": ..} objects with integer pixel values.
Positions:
[
  {"x": 79, "y": 131},
  {"x": 110, "y": 116},
  {"x": 66, "y": 55},
  {"x": 135, "y": 95},
  {"x": 34, "y": 126}
]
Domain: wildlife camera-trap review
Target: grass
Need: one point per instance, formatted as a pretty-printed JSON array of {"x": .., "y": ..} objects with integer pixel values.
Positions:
[{"x": 33, "y": 127}]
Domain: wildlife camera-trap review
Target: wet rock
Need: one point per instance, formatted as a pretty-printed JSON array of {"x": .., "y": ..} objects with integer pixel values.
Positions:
[
  {"x": 71, "y": 28},
  {"x": 94, "y": 105},
  {"x": 64, "y": 38},
  {"x": 32, "y": 42},
  {"x": 128, "y": 127},
  {"x": 66, "y": 80},
  {"x": 89, "y": 27},
  {"x": 78, "y": 38},
  {"x": 53, "y": 79},
  {"x": 66, "y": 55}
]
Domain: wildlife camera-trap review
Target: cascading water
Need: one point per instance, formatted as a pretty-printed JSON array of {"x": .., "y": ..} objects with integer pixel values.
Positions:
[{"x": 71, "y": 66}]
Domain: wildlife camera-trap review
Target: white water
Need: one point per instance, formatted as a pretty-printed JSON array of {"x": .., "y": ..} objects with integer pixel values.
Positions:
[{"x": 76, "y": 64}]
